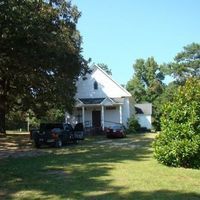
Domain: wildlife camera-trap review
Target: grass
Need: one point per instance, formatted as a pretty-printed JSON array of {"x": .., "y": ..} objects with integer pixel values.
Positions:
[{"x": 97, "y": 169}]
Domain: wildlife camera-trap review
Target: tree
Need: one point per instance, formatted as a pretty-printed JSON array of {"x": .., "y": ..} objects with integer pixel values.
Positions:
[
  {"x": 54, "y": 115},
  {"x": 178, "y": 144},
  {"x": 186, "y": 63},
  {"x": 137, "y": 89},
  {"x": 146, "y": 84},
  {"x": 105, "y": 68},
  {"x": 133, "y": 125},
  {"x": 40, "y": 56},
  {"x": 166, "y": 96}
]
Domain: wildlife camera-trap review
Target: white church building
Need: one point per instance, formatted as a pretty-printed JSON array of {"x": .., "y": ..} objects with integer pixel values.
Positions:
[{"x": 101, "y": 102}]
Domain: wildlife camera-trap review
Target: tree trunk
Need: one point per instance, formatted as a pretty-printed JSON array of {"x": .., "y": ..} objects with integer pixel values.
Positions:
[
  {"x": 2, "y": 118},
  {"x": 2, "y": 107}
]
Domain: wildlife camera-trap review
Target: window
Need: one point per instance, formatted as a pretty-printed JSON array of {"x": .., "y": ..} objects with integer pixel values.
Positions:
[
  {"x": 110, "y": 107},
  {"x": 95, "y": 85}
]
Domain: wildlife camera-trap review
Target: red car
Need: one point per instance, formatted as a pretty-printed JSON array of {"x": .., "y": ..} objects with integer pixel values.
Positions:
[{"x": 116, "y": 131}]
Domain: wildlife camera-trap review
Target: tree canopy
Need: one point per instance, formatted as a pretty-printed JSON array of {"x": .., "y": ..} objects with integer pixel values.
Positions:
[
  {"x": 146, "y": 83},
  {"x": 40, "y": 55},
  {"x": 186, "y": 63},
  {"x": 178, "y": 144}
]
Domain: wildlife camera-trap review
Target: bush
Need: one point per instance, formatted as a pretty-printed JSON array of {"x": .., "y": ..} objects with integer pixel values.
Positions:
[
  {"x": 179, "y": 141},
  {"x": 133, "y": 125}
]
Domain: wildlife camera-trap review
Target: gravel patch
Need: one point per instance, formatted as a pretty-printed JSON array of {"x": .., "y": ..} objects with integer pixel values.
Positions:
[
  {"x": 118, "y": 143},
  {"x": 18, "y": 146}
]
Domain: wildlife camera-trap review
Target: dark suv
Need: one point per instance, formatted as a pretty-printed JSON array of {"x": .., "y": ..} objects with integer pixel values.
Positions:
[{"x": 56, "y": 134}]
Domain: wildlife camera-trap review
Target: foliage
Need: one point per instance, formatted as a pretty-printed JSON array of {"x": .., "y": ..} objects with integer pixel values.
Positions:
[
  {"x": 179, "y": 142},
  {"x": 40, "y": 56},
  {"x": 18, "y": 119},
  {"x": 133, "y": 125},
  {"x": 105, "y": 68},
  {"x": 187, "y": 63},
  {"x": 137, "y": 89},
  {"x": 163, "y": 98},
  {"x": 54, "y": 115},
  {"x": 147, "y": 86},
  {"x": 146, "y": 83}
]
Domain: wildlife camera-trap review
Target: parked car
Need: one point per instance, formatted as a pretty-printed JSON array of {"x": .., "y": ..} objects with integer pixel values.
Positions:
[
  {"x": 116, "y": 131},
  {"x": 55, "y": 134},
  {"x": 32, "y": 132},
  {"x": 79, "y": 131}
]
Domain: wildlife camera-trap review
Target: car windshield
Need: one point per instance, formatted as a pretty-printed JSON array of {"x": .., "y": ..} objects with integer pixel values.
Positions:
[
  {"x": 56, "y": 129},
  {"x": 78, "y": 127},
  {"x": 117, "y": 127},
  {"x": 49, "y": 127},
  {"x": 68, "y": 127}
]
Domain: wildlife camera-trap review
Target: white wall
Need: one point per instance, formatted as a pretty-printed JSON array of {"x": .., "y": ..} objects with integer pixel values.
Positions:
[
  {"x": 111, "y": 117},
  {"x": 144, "y": 120},
  {"x": 106, "y": 87},
  {"x": 126, "y": 111}
]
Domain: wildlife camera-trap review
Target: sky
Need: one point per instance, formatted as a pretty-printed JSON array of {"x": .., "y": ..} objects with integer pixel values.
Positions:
[{"x": 117, "y": 32}]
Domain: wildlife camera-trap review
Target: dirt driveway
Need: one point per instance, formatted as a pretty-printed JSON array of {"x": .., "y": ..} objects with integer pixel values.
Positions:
[{"x": 17, "y": 145}]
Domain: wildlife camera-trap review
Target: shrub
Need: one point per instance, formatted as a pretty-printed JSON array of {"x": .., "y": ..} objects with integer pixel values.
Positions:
[
  {"x": 178, "y": 144},
  {"x": 133, "y": 125}
]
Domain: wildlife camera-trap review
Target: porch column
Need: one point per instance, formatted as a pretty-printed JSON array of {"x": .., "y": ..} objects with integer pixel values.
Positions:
[
  {"x": 102, "y": 117},
  {"x": 83, "y": 116},
  {"x": 120, "y": 114}
]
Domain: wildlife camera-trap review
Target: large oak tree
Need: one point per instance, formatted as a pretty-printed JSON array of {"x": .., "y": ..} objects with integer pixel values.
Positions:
[{"x": 40, "y": 55}]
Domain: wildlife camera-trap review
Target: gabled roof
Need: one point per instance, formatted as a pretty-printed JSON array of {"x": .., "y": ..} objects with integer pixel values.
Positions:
[
  {"x": 143, "y": 108},
  {"x": 106, "y": 86},
  {"x": 122, "y": 88},
  {"x": 138, "y": 110},
  {"x": 118, "y": 100},
  {"x": 107, "y": 102}
]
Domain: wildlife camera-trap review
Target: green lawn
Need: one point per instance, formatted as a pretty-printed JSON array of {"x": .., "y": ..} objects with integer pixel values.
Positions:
[{"x": 97, "y": 169}]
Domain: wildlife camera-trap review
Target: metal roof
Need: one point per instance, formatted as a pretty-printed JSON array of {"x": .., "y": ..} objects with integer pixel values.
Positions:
[
  {"x": 92, "y": 100},
  {"x": 100, "y": 101}
]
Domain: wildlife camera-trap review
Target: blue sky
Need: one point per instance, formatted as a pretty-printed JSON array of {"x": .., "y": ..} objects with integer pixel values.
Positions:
[{"x": 117, "y": 32}]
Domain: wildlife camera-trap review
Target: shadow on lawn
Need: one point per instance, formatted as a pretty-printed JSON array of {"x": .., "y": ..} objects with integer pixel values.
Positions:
[
  {"x": 77, "y": 172},
  {"x": 143, "y": 195}
]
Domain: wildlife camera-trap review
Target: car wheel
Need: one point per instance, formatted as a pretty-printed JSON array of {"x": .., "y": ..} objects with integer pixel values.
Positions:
[{"x": 58, "y": 143}]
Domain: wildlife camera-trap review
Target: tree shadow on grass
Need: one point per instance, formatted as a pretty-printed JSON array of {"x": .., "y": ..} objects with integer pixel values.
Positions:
[
  {"x": 63, "y": 176},
  {"x": 77, "y": 172},
  {"x": 144, "y": 195}
]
